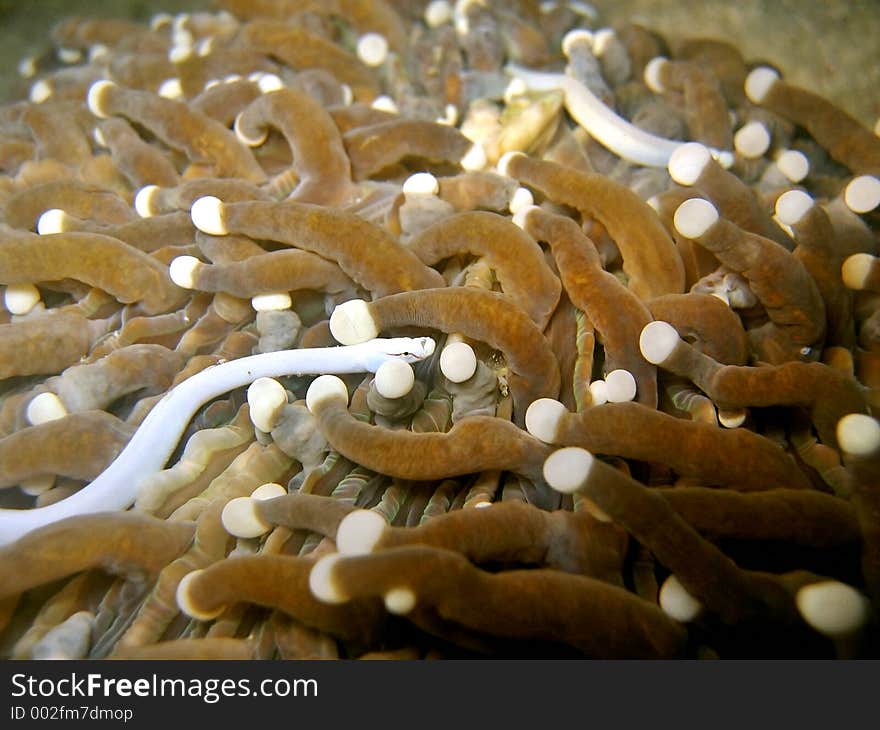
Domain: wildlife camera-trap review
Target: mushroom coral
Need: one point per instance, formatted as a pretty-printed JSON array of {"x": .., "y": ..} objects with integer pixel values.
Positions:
[{"x": 364, "y": 329}]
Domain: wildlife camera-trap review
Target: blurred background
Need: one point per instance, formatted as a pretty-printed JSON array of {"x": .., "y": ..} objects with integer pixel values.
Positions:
[{"x": 831, "y": 47}]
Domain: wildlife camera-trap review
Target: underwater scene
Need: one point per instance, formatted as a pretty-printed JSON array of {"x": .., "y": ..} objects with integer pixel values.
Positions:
[{"x": 378, "y": 329}]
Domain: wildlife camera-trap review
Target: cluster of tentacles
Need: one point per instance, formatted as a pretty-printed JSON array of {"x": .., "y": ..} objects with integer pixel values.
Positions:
[{"x": 386, "y": 329}]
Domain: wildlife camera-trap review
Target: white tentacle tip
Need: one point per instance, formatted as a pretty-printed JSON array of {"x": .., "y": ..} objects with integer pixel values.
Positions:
[
  {"x": 687, "y": 162},
  {"x": 732, "y": 417},
  {"x": 653, "y": 74},
  {"x": 420, "y": 184},
  {"x": 542, "y": 419},
  {"x": 240, "y": 519},
  {"x": 657, "y": 341},
  {"x": 758, "y": 83},
  {"x": 204, "y": 47},
  {"x": 792, "y": 206},
  {"x": 144, "y": 201},
  {"x": 437, "y": 13},
  {"x": 598, "y": 392},
  {"x": 399, "y": 601},
  {"x": 677, "y": 603},
  {"x": 27, "y": 67},
  {"x": 372, "y": 49},
  {"x": 323, "y": 389},
  {"x": 40, "y": 91},
  {"x": 207, "y": 215},
  {"x": 859, "y": 434},
  {"x": 520, "y": 218},
  {"x": 794, "y": 164},
  {"x": 250, "y": 140},
  {"x": 856, "y": 269},
  {"x": 186, "y": 604},
  {"x": 352, "y": 323},
  {"x": 602, "y": 41},
  {"x": 269, "y": 490},
  {"x": 98, "y": 136},
  {"x": 694, "y": 217},
  {"x": 475, "y": 158},
  {"x": 514, "y": 89},
  {"x": 862, "y": 194},
  {"x": 359, "y": 532},
  {"x": 385, "y": 103},
  {"x": 51, "y": 221},
  {"x": 566, "y": 470},
  {"x": 96, "y": 99},
  {"x": 450, "y": 116},
  {"x": 273, "y": 302},
  {"x": 160, "y": 20},
  {"x": 832, "y": 608},
  {"x": 521, "y": 199},
  {"x": 394, "y": 379},
  {"x": 503, "y": 165},
  {"x": 322, "y": 582},
  {"x": 751, "y": 140},
  {"x": 180, "y": 52},
  {"x": 21, "y": 298},
  {"x": 724, "y": 158},
  {"x": 43, "y": 408},
  {"x": 269, "y": 82},
  {"x": 182, "y": 271},
  {"x": 620, "y": 386},
  {"x": 170, "y": 89},
  {"x": 266, "y": 399},
  {"x": 70, "y": 55},
  {"x": 575, "y": 37},
  {"x": 458, "y": 362}
]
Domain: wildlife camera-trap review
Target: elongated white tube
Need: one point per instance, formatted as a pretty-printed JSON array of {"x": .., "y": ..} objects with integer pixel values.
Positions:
[
  {"x": 155, "y": 440},
  {"x": 536, "y": 80},
  {"x": 613, "y": 131},
  {"x": 604, "y": 124}
]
